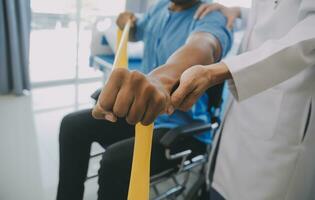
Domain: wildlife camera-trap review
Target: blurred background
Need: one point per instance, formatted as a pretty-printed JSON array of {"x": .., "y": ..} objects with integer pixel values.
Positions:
[{"x": 62, "y": 64}]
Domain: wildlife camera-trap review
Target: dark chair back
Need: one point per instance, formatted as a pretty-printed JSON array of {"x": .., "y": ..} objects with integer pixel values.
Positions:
[{"x": 215, "y": 94}]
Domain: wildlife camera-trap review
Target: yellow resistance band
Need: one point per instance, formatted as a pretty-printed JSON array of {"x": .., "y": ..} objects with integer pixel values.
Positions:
[{"x": 139, "y": 186}]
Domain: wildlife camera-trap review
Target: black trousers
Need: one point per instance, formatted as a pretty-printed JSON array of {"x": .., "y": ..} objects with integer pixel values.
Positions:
[
  {"x": 214, "y": 195},
  {"x": 79, "y": 130}
]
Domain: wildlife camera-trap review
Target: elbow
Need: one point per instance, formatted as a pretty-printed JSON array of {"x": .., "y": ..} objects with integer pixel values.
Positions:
[{"x": 208, "y": 46}]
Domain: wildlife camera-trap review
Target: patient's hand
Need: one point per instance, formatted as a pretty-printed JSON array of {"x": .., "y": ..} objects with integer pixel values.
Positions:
[
  {"x": 132, "y": 95},
  {"x": 123, "y": 19}
]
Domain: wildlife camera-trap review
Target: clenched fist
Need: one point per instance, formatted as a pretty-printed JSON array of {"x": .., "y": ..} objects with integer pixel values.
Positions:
[
  {"x": 123, "y": 19},
  {"x": 134, "y": 96}
]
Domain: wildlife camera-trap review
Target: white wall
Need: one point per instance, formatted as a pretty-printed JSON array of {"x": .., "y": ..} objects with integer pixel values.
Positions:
[{"x": 138, "y": 6}]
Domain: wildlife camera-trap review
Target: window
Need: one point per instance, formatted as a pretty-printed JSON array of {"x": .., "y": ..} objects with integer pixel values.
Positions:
[{"x": 60, "y": 38}]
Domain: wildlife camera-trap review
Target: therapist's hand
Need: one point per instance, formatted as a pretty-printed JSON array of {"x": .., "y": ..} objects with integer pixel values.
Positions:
[
  {"x": 123, "y": 19},
  {"x": 195, "y": 81},
  {"x": 231, "y": 13},
  {"x": 134, "y": 96}
]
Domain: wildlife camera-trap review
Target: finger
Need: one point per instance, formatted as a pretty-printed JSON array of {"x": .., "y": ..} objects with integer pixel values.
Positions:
[
  {"x": 138, "y": 107},
  {"x": 230, "y": 22},
  {"x": 209, "y": 9},
  {"x": 200, "y": 10},
  {"x": 99, "y": 113},
  {"x": 168, "y": 106},
  {"x": 190, "y": 100},
  {"x": 136, "y": 112},
  {"x": 179, "y": 95},
  {"x": 151, "y": 113},
  {"x": 155, "y": 107},
  {"x": 123, "y": 102},
  {"x": 109, "y": 93}
]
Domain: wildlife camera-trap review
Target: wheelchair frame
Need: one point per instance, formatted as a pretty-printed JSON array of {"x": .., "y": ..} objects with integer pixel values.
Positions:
[{"x": 199, "y": 190}]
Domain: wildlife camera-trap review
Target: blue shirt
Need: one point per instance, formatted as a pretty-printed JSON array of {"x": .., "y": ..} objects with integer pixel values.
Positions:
[{"x": 163, "y": 32}]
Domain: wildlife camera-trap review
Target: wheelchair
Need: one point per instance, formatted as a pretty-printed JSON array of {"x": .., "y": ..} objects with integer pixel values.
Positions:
[{"x": 180, "y": 175}]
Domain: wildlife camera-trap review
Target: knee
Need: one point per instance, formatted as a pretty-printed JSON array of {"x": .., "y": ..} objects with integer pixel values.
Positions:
[
  {"x": 113, "y": 177},
  {"x": 109, "y": 162},
  {"x": 114, "y": 163},
  {"x": 70, "y": 127}
]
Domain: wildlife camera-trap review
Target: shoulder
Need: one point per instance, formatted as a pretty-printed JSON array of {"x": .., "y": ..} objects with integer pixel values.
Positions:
[
  {"x": 213, "y": 16},
  {"x": 161, "y": 4}
]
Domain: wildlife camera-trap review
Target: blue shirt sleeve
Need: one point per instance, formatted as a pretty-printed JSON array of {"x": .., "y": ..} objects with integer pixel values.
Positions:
[
  {"x": 215, "y": 23},
  {"x": 143, "y": 21},
  {"x": 140, "y": 26}
]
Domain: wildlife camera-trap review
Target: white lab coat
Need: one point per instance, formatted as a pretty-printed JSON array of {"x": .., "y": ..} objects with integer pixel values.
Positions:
[{"x": 267, "y": 148}]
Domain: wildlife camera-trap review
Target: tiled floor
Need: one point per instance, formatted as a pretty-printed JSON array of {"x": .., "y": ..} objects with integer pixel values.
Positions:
[{"x": 29, "y": 127}]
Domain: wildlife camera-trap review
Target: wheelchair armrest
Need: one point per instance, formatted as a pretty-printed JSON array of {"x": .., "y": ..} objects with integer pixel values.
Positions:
[
  {"x": 178, "y": 134},
  {"x": 96, "y": 94}
]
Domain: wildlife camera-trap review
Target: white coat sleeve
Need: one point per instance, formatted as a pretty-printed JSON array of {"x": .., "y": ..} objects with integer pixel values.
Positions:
[{"x": 275, "y": 61}]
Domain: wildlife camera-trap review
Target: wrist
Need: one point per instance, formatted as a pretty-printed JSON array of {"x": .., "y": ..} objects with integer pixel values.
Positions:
[
  {"x": 167, "y": 80},
  {"x": 218, "y": 73}
]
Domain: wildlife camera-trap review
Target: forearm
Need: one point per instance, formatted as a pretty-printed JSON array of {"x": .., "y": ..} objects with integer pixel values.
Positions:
[
  {"x": 197, "y": 51},
  {"x": 218, "y": 73}
]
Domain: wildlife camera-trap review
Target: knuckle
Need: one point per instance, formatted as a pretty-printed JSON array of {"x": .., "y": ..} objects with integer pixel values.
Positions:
[
  {"x": 131, "y": 120},
  {"x": 136, "y": 77},
  {"x": 119, "y": 73},
  {"x": 102, "y": 103},
  {"x": 146, "y": 122},
  {"x": 118, "y": 111},
  {"x": 149, "y": 89},
  {"x": 188, "y": 84},
  {"x": 159, "y": 99},
  {"x": 95, "y": 114},
  {"x": 161, "y": 105},
  {"x": 148, "y": 119},
  {"x": 175, "y": 100},
  {"x": 188, "y": 104},
  {"x": 133, "y": 117},
  {"x": 196, "y": 93}
]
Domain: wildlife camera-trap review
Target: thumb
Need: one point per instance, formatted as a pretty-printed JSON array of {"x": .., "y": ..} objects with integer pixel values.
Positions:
[
  {"x": 169, "y": 107},
  {"x": 210, "y": 8},
  {"x": 99, "y": 113},
  {"x": 230, "y": 22},
  {"x": 200, "y": 10},
  {"x": 179, "y": 95}
]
